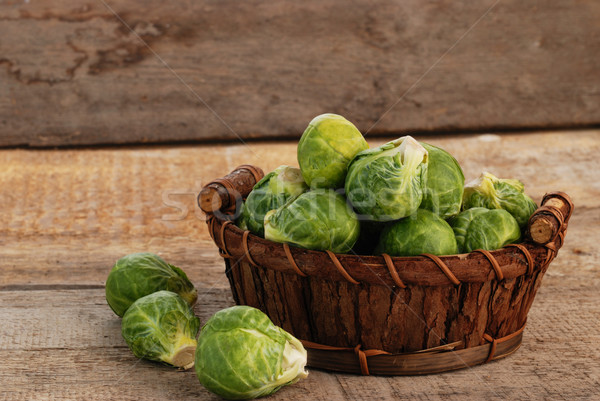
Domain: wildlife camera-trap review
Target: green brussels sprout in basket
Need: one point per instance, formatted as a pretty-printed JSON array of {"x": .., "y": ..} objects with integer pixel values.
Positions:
[
  {"x": 319, "y": 219},
  {"x": 326, "y": 148},
  {"x": 494, "y": 193},
  {"x": 140, "y": 274},
  {"x": 241, "y": 354},
  {"x": 481, "y": 228},
  {"x": 270, "y": 193},
  {"x": 444, "y": 186},
  {"x": 423, "y": 232},
  {"x": 387, "y": 183},
  {"x": 161, "y": 327}
]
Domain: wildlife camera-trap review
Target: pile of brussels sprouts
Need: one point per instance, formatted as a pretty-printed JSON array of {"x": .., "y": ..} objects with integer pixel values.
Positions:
[
  {"x": 403, "y": 198},
  {"x": 239, "y": 353}
]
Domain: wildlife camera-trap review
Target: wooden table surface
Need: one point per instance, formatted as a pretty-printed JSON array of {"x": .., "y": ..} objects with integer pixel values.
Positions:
[{"x": 68, "y": 215}]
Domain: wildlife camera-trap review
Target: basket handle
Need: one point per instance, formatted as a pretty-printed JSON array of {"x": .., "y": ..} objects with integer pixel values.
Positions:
[
  {"x": 550, "y": 219},
  {"x": 223, "y": 194}
]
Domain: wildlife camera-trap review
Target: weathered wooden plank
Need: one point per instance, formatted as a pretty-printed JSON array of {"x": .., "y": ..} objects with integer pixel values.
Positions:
[
  {"x": 68, "y": 215},
  {"x": 76, "y": 319},
  {"x": 75, "y": 74},
  {"x": 67, "y": 345},
  {"x": 115, "y": 374}
]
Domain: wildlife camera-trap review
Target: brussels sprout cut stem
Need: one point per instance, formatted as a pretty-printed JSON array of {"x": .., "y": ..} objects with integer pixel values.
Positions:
[{"x": 183, "y": 357}]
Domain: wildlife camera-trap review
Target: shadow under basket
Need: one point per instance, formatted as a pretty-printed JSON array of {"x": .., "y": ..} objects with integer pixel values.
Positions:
[{"x": 387, "y": 315}]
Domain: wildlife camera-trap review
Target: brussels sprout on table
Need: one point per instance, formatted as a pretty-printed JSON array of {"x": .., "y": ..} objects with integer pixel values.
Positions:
[
  {"x": 481, "y": 228},
  {"x": 241, "y": 354},
  {"x": 326, "y": 148},
  {"x": 423, "y": 232},
  {"x": 387, "y": 183},
  {"x": 444, "y": 186},
  {"x": 161, "y": 327},
  {"x": 319, "y": 220},
  {"x": 270, "y": 193},
  {"x": 494, "y": 193},
  {"x": 140, "y": 274}
]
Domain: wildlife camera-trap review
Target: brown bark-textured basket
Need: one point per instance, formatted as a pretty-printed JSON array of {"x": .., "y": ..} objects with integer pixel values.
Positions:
[{"x": 380, "y": 314}]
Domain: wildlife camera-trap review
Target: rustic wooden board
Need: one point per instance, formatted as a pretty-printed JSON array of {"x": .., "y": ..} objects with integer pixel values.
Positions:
[
  {"x": 52, "y": 350},
  {"x": 75, "y": 74},
  {"x": 68, "y": 215}
]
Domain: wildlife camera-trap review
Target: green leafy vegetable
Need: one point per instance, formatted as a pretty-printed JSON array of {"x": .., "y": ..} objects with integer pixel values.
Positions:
[
  {"x": 241, "y": 354},
  {"x": 494, "y": 193},
  {"x": 326, "y": 148},
  {"x": 423, "y": 232},
  {"x": 161, "y": 327},
  {"x": 444, "y": 186},
  {"x": 270, "y": 193},
  {"x": 319, "y": 219},
  {"x": 140, "y": 274},
  {"x": 387, "y": 183},
  {"x": 481, "y": 228}
]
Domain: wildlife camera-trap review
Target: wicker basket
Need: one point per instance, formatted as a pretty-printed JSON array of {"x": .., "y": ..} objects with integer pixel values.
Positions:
[{"x": 380, "y": 314}]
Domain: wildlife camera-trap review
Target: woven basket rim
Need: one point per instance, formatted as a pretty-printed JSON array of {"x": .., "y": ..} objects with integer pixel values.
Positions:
[{"x": 478, "y": 266}]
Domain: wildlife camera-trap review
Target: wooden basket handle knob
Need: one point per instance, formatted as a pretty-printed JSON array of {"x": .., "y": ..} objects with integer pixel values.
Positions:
[
  {"x": 222, "y": 194},
  {"x": 549, "y": 220}
]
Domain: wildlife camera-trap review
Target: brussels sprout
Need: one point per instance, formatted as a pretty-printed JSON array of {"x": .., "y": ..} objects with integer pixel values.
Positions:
[
  {"x": 241, "y": 354},
  {"x": 481, "y": 228},
  {"x": 140, "y": 274},
  {"x": 494, "y": 193},
  {"x": 423, "y": 232},
  {"x": 445, "y": 180},
  {"x": 319, "y": 219},
  {"x": 270, "y": 193},
  {"x": 387, "y": 183},
  {"x": 326, "y": 148},
  {"x": 161, "y": 327}
]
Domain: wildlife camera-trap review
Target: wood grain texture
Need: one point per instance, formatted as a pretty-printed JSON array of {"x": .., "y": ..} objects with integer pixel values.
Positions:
[
  {"x": 188, "y": 71},
  {"x": 49, "y": 354},
  {"x": 68, "y": 215}
]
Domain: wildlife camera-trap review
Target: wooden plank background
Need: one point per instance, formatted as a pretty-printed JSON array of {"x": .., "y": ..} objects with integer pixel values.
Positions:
[
  {"x": 67, "y": 215},
  {"x": 74, "y": 74}
]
